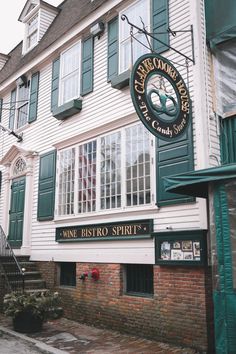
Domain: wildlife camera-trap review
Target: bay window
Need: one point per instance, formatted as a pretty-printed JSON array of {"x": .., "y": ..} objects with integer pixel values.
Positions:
[{"x": 110, "y": 172}]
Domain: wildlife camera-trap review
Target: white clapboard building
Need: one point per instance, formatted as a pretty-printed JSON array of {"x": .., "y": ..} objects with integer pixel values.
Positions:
[{"x": 82, "y": 177}]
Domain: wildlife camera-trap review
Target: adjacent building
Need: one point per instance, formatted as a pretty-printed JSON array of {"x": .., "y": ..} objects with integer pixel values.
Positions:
[{"x": 82, "y": 177}]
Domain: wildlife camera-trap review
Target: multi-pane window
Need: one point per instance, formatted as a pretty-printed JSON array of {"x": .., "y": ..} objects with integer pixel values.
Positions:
[
  {"x": 66, "y": 182},
  {"x": 22, "y": 105},
  {"x": 87, "y": 177},
  {"x": 139, "y": 279},
  {"x": 110, "y": 172},
  {"x": 70, "y": 74},
  {"x": 32, "y": 36},
  {"x": 19, "y": 106},
  {"x": 137, "y": 166},
  {"x": 130, "y": 49}
]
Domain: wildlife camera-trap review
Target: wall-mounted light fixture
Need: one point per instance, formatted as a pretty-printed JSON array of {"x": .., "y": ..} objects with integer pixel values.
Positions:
[
  {"x": 97, "y": 29},
  {"x": 22, "y": 80}
]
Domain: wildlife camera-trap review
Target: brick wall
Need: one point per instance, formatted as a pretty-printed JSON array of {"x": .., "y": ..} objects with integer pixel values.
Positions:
[{"x": 177, "y": 313}]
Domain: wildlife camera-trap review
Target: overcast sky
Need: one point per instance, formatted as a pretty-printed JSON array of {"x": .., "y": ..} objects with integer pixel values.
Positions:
[{"x": 11, "y": 30}]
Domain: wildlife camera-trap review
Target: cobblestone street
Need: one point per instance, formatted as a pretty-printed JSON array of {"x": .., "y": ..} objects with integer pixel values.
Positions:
[{"x": 75, "y": 338}]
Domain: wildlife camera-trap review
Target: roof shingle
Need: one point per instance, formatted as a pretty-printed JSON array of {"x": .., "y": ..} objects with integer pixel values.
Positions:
[{"x": 71, "y": 13}]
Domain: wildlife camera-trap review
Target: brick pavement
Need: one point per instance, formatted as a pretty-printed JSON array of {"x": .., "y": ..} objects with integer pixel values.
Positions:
[{"x": 77, "y": 338}]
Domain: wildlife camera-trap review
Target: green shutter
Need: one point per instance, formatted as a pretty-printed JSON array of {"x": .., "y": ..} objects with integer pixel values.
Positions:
[
  {"x": 87, "y": 66},
  {"x": 12, "y": 109},
  {"x": 46, "y": 192},
  {"x": 55, "y": 83},
  {"x": 1, "y": 101},
  {"x": 113, "y": 51},
  {"x": 33, "y": 101},
  {"x": 228, "y": 140},
  {"x": 173, "y": 157},
  {"x": 160, "y": 24}
]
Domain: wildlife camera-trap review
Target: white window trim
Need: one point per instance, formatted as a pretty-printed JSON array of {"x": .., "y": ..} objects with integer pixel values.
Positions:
[
  {"x": 120, "y": 21},
  {"x": 15, "y": 128},
  {"x": 108, "y": 212},
  {"x": 79, "y": 73},
  {"x": 28, "y": 18}
]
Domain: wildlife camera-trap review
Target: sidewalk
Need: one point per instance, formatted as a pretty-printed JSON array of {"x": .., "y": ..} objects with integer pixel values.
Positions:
[{"x": 75, "y": 338}]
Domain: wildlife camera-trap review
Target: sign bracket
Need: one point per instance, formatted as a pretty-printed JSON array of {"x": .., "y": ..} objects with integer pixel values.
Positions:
[{"x": 152, "y": 35}]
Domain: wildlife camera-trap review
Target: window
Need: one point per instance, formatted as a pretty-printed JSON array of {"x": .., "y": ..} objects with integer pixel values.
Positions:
[
  {"x": 68, "y": 274},
  {"x": 139, "y": 279},
  {"x": 22, "y": 105},
  {"x": 130, "y": 49},
  {"x": 19, "y": 107},
  {"x": 70, "y": 74},
  {"x": 110, "y": 172},
  {"x": 32, "y": 32}
]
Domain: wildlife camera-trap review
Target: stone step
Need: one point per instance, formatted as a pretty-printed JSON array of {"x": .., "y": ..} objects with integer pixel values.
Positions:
[
  {"x": 31, "y": 275},
  {"x": 30, "y": 284}
]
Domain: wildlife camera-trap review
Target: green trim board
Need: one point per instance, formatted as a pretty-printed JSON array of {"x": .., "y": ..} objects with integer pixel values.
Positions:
[
  {"x": 220, "y": 21},
  {"x": 195, "y": 183},
  {"x": 224, "y": 294},
  {"x": 33, "y": 101},
  {"x": 120, "y": 81},
  {"x": 173, "y": 157},
  {"x": 134, "y": 229},
  {"x": 228, "y": 140},
  {"x": 87, "y": 62},
  {"x": 160, "y": 24},
  {"x": 46, "y": 186},
  {"x": 67, "y": 109},
  {"x": 186, "y": 247}
]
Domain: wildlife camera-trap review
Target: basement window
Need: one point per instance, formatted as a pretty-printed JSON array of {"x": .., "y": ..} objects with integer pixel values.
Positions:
[
  {"x": 68, "y": 274},
  {"x": 139, "y": 279}
]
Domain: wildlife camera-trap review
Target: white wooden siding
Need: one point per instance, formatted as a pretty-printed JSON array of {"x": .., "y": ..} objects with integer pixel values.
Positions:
[
  {"x": 102, "y": 107},
  {"x": 46, "y": 18}
]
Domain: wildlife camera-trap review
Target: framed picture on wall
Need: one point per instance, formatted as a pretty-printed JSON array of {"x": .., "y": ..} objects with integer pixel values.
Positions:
[{"x": 181, "y": 247}]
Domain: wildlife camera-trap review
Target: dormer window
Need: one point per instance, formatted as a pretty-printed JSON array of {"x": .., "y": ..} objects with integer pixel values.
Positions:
[
  {"x": 37, "y": 15},
  {"x": 32, "y": 37}
]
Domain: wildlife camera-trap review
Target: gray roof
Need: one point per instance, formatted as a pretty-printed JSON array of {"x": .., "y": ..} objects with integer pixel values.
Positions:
[{"x": 71, "y": 12}]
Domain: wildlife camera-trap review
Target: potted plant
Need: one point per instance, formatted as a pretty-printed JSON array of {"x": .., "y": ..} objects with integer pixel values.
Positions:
[{"x": 30, "y": 310}]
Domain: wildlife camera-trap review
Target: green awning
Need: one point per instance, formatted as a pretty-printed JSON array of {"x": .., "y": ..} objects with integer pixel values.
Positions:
[
  {"x": 220, "y": 20},
  {"x": 195, "y": 183}
]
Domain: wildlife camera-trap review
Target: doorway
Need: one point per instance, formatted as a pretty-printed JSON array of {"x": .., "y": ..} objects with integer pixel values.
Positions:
[{"x": 16, "y": 213}]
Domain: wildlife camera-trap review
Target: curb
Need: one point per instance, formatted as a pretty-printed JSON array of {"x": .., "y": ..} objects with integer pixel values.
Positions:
[{"x": 44, "y": 348}]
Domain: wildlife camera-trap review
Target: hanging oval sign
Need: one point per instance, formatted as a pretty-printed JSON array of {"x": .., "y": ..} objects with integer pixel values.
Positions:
[{"x": 160, "y": 96}]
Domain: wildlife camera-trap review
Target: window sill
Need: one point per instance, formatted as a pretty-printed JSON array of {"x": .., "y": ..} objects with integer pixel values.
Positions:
[
  {"x": 141, "y": 211},
  {"x": 121, "y": 80},
  {"x": 140, "y": 295},
  {"x": 68, "y": 109}
]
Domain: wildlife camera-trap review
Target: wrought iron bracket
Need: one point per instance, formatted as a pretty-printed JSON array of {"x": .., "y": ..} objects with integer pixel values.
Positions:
[
  {"x": 151, "y": 35},
  {"x": 11, "y": 132}
]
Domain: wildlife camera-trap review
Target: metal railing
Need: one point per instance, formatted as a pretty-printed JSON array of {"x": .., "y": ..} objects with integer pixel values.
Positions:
[{"x": 10, "y": 268}]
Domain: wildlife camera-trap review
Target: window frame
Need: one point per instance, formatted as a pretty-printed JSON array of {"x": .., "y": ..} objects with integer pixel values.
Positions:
[
  {"x": 30, "y": 33},
  {"x": 19, "y": 105},
  {"x": 78, "y": 71},
  {"x": 139, "y": 270},
  {"x": 60, "y": 274},
  {"x": 122, "y": 23},
  {"x": 16, "y": 106},
  {"x": 98, "y": 210}
]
